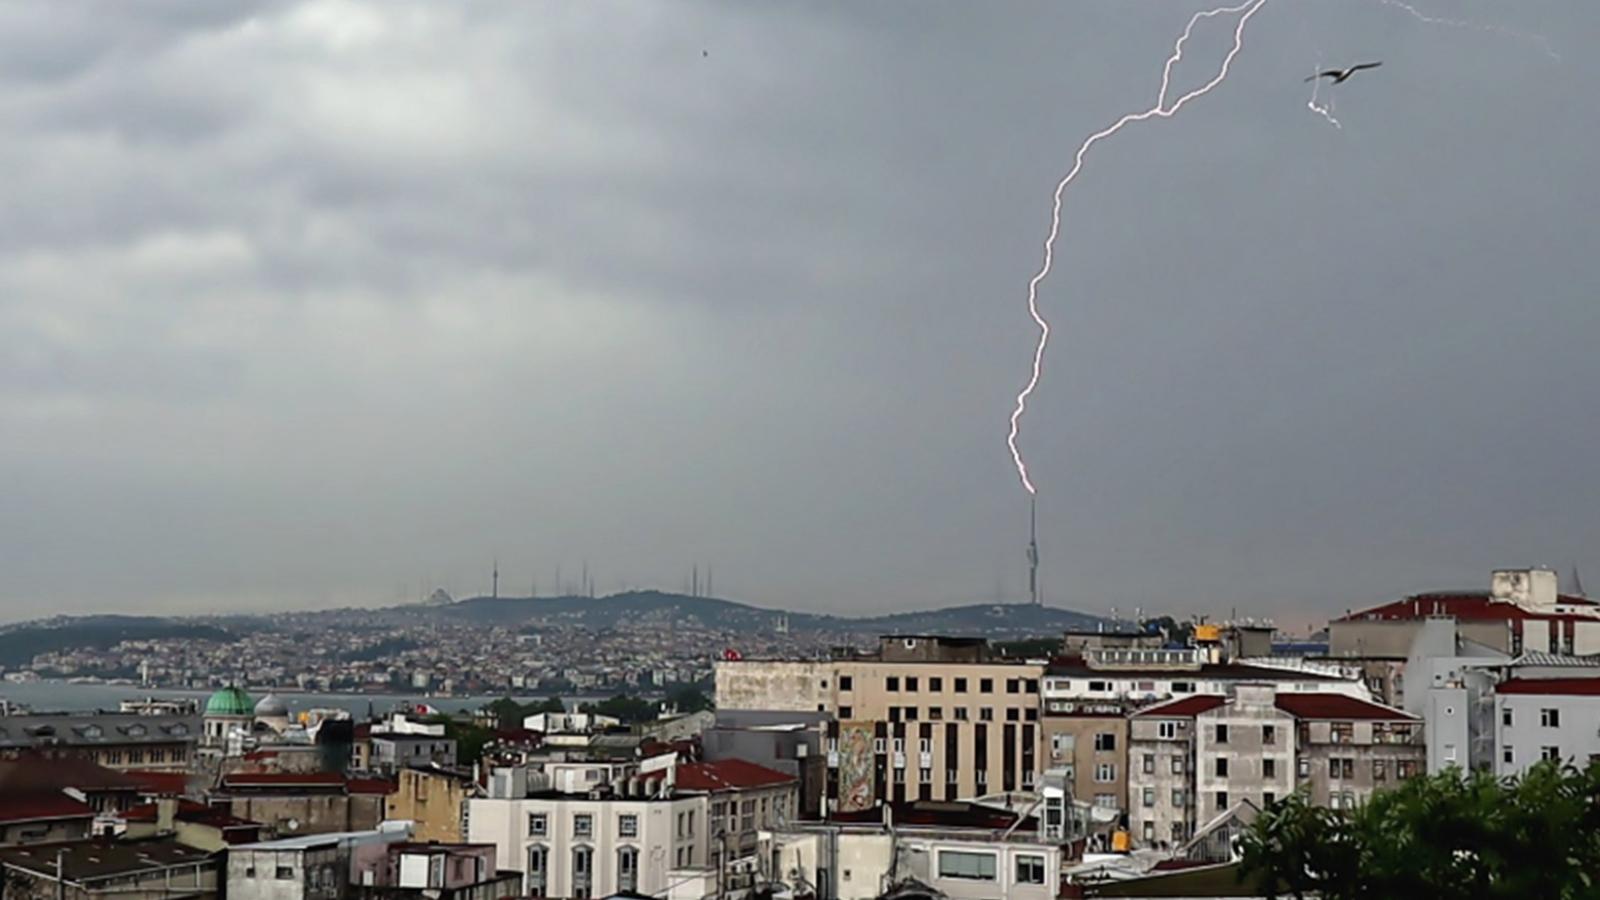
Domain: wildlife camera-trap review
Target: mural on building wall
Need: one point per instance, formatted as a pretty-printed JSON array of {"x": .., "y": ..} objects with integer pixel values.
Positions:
[{"x": 855, "y": 767}]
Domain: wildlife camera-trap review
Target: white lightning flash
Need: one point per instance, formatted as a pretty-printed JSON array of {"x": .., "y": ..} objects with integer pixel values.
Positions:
[{"x": 1159, "y": 110}]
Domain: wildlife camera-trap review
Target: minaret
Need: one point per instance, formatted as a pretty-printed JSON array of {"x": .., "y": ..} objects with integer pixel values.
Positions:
[
  {"x": 494, "y": 589},
  {"x": 1033, "y": 550}
]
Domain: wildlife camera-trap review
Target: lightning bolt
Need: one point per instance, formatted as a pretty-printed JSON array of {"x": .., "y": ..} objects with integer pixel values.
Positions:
[
  {"x": 1159, "y": 110},
  {"x": 1539, "y": 39},
  {"x": 1325, "y": 111}
]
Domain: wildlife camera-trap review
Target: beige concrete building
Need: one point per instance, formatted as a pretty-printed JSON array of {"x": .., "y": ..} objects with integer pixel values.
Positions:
[
  {"x": 923, "y": 718},
  {"x": 1089, "y": 741},
  {"x": 434, "y": 800}
]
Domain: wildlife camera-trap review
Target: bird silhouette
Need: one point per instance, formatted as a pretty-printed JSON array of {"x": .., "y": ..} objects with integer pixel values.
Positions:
[{"x": 1339, "y": 75}]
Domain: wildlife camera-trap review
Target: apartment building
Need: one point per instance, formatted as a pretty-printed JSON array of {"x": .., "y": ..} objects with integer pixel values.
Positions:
[
  {"x": 1087, "y": 743},
  {"x": 1193, "y": 759},
  {"x": 641, "y": 832},
  {"x": 1546, "y": 719},
  {"x": 923, "y": 718},
  {"x": 1346, "y": 749},
  {"x": 161, "y": 743}
]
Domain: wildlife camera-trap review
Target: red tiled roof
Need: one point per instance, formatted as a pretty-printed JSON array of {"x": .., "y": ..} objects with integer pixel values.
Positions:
[
  {"x": 1337, "y": 706},
  {"x": 1579, "y": 687},
  {"x": 164, "y": 783},
  {"x": 30, "y": 807},
  {"x": 275, "y": 778},
  {"x": 944, "y": 814},
  {"x": 1464, "y": 605},
  {"x": 727, "y": 775},
  {"x": 1183, "y": 708},
  {"x": 370, "y": 786},
  {"x": 191, "y": 811}
]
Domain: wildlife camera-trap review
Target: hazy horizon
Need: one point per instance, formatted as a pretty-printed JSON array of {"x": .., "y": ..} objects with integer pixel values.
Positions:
[{"x": 326, "y": 304}]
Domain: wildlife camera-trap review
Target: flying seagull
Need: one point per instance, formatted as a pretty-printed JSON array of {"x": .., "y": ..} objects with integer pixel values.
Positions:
[{"x": 1339, "y": 75}]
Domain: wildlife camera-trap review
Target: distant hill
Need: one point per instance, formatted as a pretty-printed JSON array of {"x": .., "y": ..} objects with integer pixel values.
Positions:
[
  {"x": 988, "y": 620},
  {"x": 20, "y": 644}
]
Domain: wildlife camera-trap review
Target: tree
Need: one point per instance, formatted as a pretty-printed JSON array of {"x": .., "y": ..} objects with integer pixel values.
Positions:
[
  {"x": 629, "y": 710},
  {"x": 689, "y": 699},
  {"x": 547, "y": 705},
  {"x": 1445, "y": 836}
]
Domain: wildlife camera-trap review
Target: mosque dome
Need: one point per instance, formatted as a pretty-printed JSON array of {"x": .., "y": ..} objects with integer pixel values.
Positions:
[
  {"x": 271, "y": 707},
  {"x": 230, "y": 701}
]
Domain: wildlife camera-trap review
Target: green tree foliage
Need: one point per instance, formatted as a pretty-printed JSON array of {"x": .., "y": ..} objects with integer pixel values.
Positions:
[
  {"x": 689, "y": 699},
  {"x": 508, "y": 713},
  {"x": 1448, "y": 836},
  {"x": 629, "y": 710}
]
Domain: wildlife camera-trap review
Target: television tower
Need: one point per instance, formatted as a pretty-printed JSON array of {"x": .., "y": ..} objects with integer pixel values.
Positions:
[
  {"x": 1033, "y": 550},
  {"x": 494, "y": 589}
]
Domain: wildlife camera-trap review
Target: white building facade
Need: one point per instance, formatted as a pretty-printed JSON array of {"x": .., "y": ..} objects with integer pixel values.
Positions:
[{"x": 1546, "y": 718}]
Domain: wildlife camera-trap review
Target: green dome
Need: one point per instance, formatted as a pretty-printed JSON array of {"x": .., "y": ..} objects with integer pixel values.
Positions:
[{"x": 230, "y": 701}]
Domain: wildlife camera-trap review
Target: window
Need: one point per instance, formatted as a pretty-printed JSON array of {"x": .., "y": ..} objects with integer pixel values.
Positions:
[
  {"x": 985, "y": 685},
  {"x": 1031, "y": 714},
  {"x": 1449, "y": 753},
  {"x": 1167, "y": 730},
  {"x": 1013, "y": 714},
  {"x": 911, "y": 713},
  {"x": 878, "y": 745},
  {"x": 1105, "y": 741},
  {"x": 1222, "y": 767},
  {"x": 1031, "y": 685},
  {"x": 1182, "y": 687},
  {"x": 1268, "y": 798},
  {"x": 936, "y": 712},
  {"x": 1507, "y": 756},
  {"x": 1013, "y": 685},
  {"x": 1505, "y": 717},
  {"x": 899, "y": 745},
  {"x": 1180, "y": 798},
  {"x": 1105, "y": 773},
  {"x": 1177, "y": 832},
  {"x": 1099, "y": 686},
  {"x": 846, "y": 683},
  {"x": 925, "y": 745},
  {"x": 628, "y": 869},
  {"x": 1222, "y": 800},
  {"x": 1030, "y": 869},
  {"x": 1149, "y": 763},
  {"x": 1341, "y": 768},
  {"x": 1222, "y": 734},
  {"x": 582, "y": 825},
  {"x": 961, "y": 685},
  {"x": 1342, "y": 732},
  {"x": 846, "y": 712},
  {"x": 538, "y": 824},
  {"x": 892, "y": 683},
  {"x": 285, "y": 873},
  {"x": 1380, "y": 770},
  {"x": 967, "y": 865},
  {"x": 1105, "y": 801},
  {"x": 1149, "y": 797},
  {"x": 935, "y": 683},
  {"x": 1550, "y": 753},
  {"x": 1303, "y": 767},
  {"x": 1269, "y": 734},
  {"x": 986, "y": 714},
  {"x": 1269, "y": 768},
  {"x": 911, "y": 683},
  {"x": 961, "y": 713},
  {"x": 925, "y": 775},
  {"x": 1549, "y": 718},
  {"x": 582, "y": 871},
  {"x": 628, "y": 825},
  {"x": 1177, "y": 765}
]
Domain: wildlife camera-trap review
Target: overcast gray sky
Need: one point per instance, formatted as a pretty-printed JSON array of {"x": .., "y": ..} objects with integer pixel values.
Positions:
[{"x": 305, "y": 303}]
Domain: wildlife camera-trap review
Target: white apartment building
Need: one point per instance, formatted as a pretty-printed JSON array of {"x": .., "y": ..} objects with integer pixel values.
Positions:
[
  {"x": 1147, "y": 675},
  {"x": 642, "y": 833},
  {"x": 1546, "y": 718}
]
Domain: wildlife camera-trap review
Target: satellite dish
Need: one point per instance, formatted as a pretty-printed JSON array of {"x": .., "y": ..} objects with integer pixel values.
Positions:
[{"x": 292, "y": 825}]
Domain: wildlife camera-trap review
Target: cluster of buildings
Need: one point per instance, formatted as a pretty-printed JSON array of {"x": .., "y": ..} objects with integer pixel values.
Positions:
[
  {"x": 369, "y": 652},
  {"x": 1119, "y": 763}
]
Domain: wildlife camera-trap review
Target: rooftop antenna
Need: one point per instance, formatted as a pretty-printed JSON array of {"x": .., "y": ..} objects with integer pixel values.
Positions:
[
  {"x": 1033, "y": 550},
  {"x": 1577, "y": 583}
]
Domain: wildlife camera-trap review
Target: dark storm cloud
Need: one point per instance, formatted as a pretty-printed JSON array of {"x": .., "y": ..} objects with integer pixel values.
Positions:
[{"x": 322, "y": 302}]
